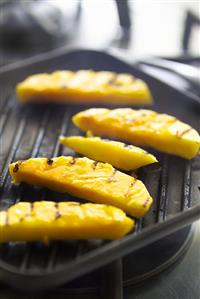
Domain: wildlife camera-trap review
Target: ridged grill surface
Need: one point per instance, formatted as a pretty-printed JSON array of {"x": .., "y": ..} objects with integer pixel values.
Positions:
[{"x": 33, "y": 130}]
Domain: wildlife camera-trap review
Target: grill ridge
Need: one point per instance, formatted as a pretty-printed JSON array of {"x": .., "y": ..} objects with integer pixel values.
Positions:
[
  {"x": 40, "y": 134},
  {"x": 5, "y": 112},
  {"x": 186, "y": 198},
  {"x": 13, "y": 148},
  {"x": 58, "y": 146},
  {"x": 26, "y": 257},
  {"x": 163, "y": 199}
]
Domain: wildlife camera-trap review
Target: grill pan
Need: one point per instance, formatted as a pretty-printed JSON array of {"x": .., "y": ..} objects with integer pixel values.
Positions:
[{"x": 33, "y": 130}]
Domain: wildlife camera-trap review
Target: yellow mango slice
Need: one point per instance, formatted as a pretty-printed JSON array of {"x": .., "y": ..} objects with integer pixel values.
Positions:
[
  {"x": 84, "y": 86},
  {"x": 118, "y": 154},
  {"x": 142, "y": 127},
  {"x": 82, "y": 177},
  {"x": 47, "y": 220}
]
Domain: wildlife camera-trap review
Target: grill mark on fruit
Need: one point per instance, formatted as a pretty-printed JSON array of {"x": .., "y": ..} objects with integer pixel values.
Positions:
[
  {"x": 72, "y": 161},
  {"x": 16, "y": 167},
  {"x": 28, "y": 214},
  {"x": 49, "y": 161},
  {"x": 146, "y": 202},
  {"x": 31, "y": 207},
  {"x": 57, "y": 214},
  {"x": 111, "y": 178},
  {"x": 95, "y": 164},
  {"x": 133, "y": 183},
  {"x": 130, "y": 186},
  {"x": 179, "y": 135},
  {"x": 127, "y": 146},
  {"x": 7, "y": 219},
  {"x": 112, "y": 80}
]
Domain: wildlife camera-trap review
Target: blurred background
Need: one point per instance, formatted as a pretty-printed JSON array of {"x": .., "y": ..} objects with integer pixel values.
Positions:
[{"x": 141, "y": 27}]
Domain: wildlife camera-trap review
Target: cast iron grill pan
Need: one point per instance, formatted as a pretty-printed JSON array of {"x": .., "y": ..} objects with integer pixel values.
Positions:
[{"x": 33, "y": 130}]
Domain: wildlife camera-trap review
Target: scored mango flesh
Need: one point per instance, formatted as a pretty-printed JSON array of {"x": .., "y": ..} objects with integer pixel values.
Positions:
[
  {"x": 84, "y": 86},
  {"x": 118, "y": 154},
  {"x": 47, "y": 220},
  {"x": 142, "y": 127},
  {"x": 84, "y": 178}
]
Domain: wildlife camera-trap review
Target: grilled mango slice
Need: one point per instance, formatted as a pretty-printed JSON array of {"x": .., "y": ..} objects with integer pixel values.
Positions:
[
  {"x": 143, "y": 127},
  {"x": 87, "y": 179},
  {"x": 84, "y": 86},
  {"x": 118, "y": 154},
  {"x": 47, "y": 220}
]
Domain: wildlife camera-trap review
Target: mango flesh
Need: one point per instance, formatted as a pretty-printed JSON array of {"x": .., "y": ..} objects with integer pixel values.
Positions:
[
  {"x": 47, "y": 220},
  {"x": 118, "y": 154},
  {"x": 84, "y": 86},
  {"x": 84, "y": 178},
  {"x": 162, "y": 132}
]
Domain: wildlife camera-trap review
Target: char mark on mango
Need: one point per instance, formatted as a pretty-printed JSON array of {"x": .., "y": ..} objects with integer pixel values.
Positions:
[
  {"x": 145, "y": 204},
  {"x": 130, "y": 186},
  {"x": 31, "y": 207},
  {"x": 111, "y": 178},
  {"x": 16, "y": 168},
  {"x": 57, "y": 214},
  {"x": 181, "y": 134},
  {"x": 72, "y": 161},
  {"x": 95, "y": 164},
  {"x": 112, "y": 80},
  {"x": 49, "y": 161}
]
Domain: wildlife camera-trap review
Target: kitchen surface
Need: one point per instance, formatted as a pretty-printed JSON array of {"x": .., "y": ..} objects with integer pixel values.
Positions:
[{"x": 152, "y": 36}]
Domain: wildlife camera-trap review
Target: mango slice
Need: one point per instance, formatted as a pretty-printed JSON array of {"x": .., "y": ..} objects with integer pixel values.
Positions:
[
  {"x": 95, "y": 181},
  {"x": 47, "y": 220},
  {"x": 84, "y": 86},
  {"x": 118, "y": 154},
  {"x": 142, "y": 127}
]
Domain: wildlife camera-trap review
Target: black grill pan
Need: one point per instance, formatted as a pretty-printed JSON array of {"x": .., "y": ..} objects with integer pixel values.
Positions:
[{"x": 33, "y": 130}]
